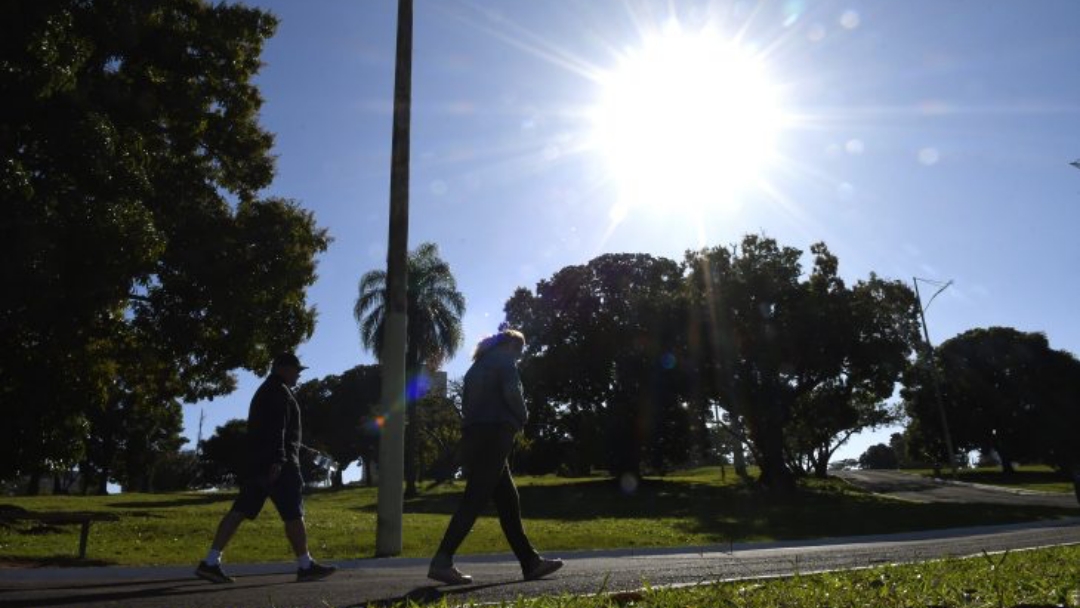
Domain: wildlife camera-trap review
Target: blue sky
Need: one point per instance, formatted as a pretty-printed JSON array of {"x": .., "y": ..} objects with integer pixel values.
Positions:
[{"x": 919, "y": 138}]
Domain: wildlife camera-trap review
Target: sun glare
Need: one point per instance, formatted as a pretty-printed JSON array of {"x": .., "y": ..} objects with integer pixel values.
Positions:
[{"x": 686, "y": 121}]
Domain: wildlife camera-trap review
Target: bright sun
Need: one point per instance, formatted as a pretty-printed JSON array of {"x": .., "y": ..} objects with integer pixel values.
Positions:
[{"x": 688, "y": 120}]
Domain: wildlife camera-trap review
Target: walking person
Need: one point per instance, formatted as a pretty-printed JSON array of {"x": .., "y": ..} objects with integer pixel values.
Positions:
[
  {"x": 273, "y": 471},
  {"x": 493, "y": 412}
]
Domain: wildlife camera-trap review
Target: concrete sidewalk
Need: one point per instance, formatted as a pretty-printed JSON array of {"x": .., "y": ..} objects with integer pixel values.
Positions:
[
  {"x": 104, "y": 574},
  {"x": 377, "y": 582}
]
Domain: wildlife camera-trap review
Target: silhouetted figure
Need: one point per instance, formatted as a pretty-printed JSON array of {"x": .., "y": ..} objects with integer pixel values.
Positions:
[
  {"x": 273, "y": 471},
  {"x": 493, "y": 411}
]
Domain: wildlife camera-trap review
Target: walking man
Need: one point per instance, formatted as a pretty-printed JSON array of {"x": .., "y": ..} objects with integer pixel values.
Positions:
[
  {"x": 273, "y": 471},
  {"x": 493, "y": 411}
]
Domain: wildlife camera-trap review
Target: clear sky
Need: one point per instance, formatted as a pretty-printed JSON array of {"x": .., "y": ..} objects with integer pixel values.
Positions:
[{"x": 916, "y": 138}]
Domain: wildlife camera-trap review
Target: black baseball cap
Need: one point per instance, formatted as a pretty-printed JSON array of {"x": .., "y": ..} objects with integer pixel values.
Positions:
[{"x": 288, "y": 359}]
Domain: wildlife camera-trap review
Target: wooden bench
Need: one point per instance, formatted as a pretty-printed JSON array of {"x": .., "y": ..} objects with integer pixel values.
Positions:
[{"x": 85, "y": 518}]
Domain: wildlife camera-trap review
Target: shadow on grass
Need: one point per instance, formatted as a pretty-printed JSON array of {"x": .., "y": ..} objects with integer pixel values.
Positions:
[
  {"x": 52, "y": 561},
  {"x": 185, "y": 501},
  {"x": 817, "y": 516},
  {"x": 737, "y": 513}
]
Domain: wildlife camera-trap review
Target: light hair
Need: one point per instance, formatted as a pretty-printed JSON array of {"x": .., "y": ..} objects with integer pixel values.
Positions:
[{"x": 506, "y": 336}]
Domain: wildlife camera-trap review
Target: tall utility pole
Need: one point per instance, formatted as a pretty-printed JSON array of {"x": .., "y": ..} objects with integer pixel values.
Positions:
[
  {"x": 391, "y": 442},
  {"x": 934, "y": 374}
]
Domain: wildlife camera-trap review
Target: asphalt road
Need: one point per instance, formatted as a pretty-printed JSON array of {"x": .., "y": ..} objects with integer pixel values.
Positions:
[
  {"x": 364, "y": 582},
  {"x": 916, "y": 488}
]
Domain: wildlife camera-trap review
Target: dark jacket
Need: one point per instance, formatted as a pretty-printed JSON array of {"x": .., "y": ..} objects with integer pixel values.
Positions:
[
  {"x": 273, "y": 426},
  {"x": 492, "y": 392}
]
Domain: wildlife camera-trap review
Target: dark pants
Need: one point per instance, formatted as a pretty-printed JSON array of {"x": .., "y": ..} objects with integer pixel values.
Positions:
[
  {"x": 287, "y": 494},
  {"x": 485, "y": 449}
]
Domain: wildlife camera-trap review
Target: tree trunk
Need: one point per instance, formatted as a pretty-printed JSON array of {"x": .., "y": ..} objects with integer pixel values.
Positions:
[
  {"x": 1076, "y": 482},
  {"x": 738, "y": 455},
  {"x": 821, "y": 468},
  {"x": 33, "y": 486},
  {"x": 84, "y": 478},
  {"x": 410, "y": 448},
  {"x": 369, "y": 472},
  {"x": 103, "y": 482},
  {"x": 775, "y": 475},
  {"x": 1006, "y": 461},
  {"x": 412, "y": 428},
  {"x": 336, "y": 481}
]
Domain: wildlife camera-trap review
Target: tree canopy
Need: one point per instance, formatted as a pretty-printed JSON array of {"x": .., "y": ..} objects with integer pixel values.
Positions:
[
  {"x": 1003, "y": 390},
  {"x": 629, "y": 354},
  {"x": 339, "y": 415},
  {"x": 878, "y": 456},
  {"x": 806, "y": 363},
  {"x": 602, "y": 339},
  {"x": 147, "y": 267}
]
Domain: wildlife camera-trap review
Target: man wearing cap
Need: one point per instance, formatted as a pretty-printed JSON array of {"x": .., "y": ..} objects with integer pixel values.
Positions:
[{"x": 273, "y": 471}]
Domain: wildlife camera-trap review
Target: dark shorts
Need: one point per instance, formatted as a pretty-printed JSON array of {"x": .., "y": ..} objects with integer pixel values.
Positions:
[{"x": 287, "y": 494}]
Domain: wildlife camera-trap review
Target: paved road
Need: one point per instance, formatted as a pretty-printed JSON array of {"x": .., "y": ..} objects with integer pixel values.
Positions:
[
  {"x": 917, "y": 488},
  {"x": 364, "y": 582}
]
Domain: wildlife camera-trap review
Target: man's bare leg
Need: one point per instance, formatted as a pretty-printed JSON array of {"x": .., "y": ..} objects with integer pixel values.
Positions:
[
  {"x": 226, "y": 529},
  {"x": 296, "y": 531}
]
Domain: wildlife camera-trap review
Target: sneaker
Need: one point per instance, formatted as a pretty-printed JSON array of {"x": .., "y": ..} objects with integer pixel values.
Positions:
[
  {"x": 449, "y": 575},
  {"x": 214, "y": 573},
  {"x": 316, "y": 572},
  {"x": 542, "y": 568}
]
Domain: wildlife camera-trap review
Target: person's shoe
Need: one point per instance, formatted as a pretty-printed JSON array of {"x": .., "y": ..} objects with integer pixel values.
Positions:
[
  {"x": 449, "y": 575},
  {"x": 214, "y": 573},
  {"x": 542, "y": 568},
  {"x": 316, "y": 572}
]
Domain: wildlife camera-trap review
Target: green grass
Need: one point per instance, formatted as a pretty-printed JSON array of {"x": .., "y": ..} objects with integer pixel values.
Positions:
[
  {"x": 1027, "y": 477},
  {"x": 1039, "y": 578},
  {"x": 688, "y": 508}
]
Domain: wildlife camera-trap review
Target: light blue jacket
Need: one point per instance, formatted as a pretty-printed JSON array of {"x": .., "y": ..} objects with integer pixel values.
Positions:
[{"x": 492, "y": 392}]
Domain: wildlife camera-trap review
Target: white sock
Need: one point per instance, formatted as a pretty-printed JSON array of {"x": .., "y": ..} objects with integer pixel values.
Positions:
[
  {"x": 304, "y": 561},
  {"x": 213, "y": 558}
]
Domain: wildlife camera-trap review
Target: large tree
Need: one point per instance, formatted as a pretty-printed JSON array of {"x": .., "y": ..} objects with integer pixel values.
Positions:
[
  {"x": 745, "y": 304},
  {"x": 435, "y": 308},
  {"x": 132, "y": 166},
  {"x": 601, "y": 370},
  {"x": 879, "y": 456},
  {"x": 805, "y": 363},
  {"x": 339, "y": 414},
  {"x": 857, "y": 342},
  {"x": 440, "y": 433},
  {"x": 223, "y": 455},
  {"x": 1003, "y": 390}
]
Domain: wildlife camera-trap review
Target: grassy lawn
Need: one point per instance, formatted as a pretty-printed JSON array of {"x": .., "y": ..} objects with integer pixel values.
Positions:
[
  {"x": 689, "y": 508},
  {"x": 1041, "y": 578},
  {"x": 1027, "y": 477}
]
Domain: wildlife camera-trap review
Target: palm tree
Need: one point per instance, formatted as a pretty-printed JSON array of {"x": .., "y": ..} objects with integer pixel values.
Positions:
[{"x": 435, "y": 308}]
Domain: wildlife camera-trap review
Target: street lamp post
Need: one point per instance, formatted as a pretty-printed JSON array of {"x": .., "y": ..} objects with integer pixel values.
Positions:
[
  {"x": 934, "y": 374},
  {"x": 388, "y": 540}
]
